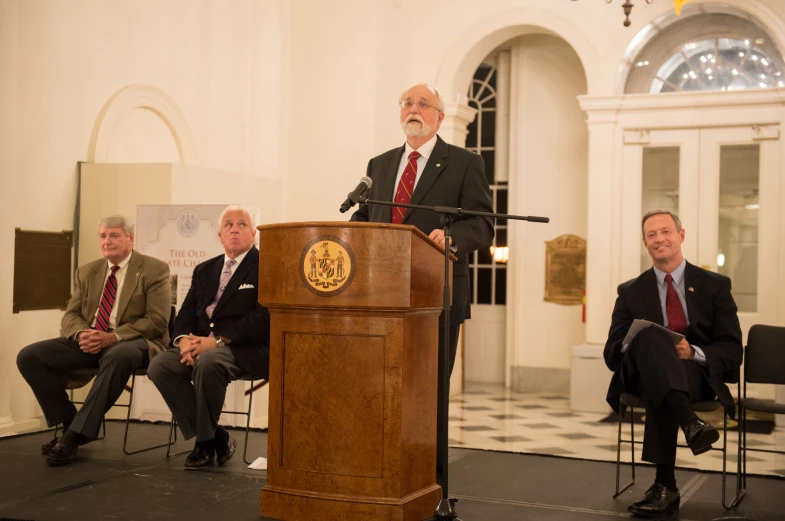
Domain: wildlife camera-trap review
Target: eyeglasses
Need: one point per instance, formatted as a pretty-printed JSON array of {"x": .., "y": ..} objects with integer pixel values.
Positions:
[{"x": 407, "y": 104}]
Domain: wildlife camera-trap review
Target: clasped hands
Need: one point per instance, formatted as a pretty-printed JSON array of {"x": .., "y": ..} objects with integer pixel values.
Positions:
[
  {"x": 192, "y": 346},
  {"x": 93, "y": 340}
]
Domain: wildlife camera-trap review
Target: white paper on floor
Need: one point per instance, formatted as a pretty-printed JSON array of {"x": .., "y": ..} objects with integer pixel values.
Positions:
[{"x": 259, "y": 463}]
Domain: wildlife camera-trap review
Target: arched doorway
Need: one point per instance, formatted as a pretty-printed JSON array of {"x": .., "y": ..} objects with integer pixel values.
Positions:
[{"x": 532, "y": 136}]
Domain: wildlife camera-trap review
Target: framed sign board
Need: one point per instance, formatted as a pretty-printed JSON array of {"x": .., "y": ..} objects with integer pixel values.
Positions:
[
  {"x": 565, "y": 270},
  {"x": 42, "y": 270}
]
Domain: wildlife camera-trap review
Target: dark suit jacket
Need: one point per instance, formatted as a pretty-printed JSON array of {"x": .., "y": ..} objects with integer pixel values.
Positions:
[
  {"x": 714, "y": 326},
  {"x": 238, "y": 316},
  {"x": 143, "y": 308},
  {"x": 455, "y": 177}
]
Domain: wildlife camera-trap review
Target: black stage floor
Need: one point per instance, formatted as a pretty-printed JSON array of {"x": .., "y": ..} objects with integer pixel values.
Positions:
[{"x": 106, "y": 484}]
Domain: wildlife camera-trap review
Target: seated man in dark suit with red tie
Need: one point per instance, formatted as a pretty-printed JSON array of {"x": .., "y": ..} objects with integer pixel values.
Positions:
[
  {"x": 698, "y": 304},
  {"x": 221, "y": 334},
  {"x": 117, "y": 319}
]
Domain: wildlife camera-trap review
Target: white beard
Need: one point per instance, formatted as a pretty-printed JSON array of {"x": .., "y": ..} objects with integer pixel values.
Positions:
[{"x": 415, "y": 130}]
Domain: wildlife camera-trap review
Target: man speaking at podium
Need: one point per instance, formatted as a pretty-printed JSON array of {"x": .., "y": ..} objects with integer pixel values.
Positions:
[{"x": 427, "y": 171}]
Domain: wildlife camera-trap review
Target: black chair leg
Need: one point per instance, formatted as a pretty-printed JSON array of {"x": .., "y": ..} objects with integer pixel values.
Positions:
[
  {"x": 173, "y": 440},
  {"x": 248, "y": 426},
  {"x": 128, "y": 423},
  {"x": 725, "y": 465},
  {"x": 741, "y": 459},
  {"x": 618, "y": 451}
]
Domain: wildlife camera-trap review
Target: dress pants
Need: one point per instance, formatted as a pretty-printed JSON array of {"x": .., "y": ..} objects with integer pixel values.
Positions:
[
  {"x": 195, "y": 394},
  {"x": 651, "y": 368},
  {"x": 44, "y": 364}
]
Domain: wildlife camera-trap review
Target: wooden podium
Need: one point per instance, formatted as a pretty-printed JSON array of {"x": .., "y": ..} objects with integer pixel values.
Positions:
[{"x": 354, "y": 313}]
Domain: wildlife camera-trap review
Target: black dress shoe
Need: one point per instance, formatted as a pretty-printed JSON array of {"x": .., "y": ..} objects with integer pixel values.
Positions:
[
  {"x": 199, "y": 457},
  {"x": 657, "y": 502},
  {"x": 225, "y": 451},
  {"x": 61, "y": 455},
  {"x": 700, "y": 435},
  {"x": 47, "y": 447}
]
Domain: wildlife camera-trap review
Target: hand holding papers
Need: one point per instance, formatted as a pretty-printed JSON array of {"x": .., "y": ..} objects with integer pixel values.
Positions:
[{"x": 639, "y": 325}]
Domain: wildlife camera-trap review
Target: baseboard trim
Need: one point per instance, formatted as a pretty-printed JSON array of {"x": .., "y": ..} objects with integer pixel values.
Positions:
[{"x": 528, "y": 379}]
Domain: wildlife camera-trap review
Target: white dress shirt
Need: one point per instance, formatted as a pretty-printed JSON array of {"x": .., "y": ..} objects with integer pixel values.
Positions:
[{"x": 425, "y": 152}]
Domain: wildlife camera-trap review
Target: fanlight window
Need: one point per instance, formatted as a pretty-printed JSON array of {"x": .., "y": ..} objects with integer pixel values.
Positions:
[
  {"x": 718, "y": 64},
  {"x": 707, "y": 52}
]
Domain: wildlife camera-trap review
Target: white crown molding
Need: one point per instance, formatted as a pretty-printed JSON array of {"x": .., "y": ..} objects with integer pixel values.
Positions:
[
  {"x": 682, "y": 100},
  {"x": 133, "y": 97}
]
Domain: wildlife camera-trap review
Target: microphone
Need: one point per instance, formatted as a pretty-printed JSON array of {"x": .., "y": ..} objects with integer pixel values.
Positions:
[{"x": 354, "y": 195}]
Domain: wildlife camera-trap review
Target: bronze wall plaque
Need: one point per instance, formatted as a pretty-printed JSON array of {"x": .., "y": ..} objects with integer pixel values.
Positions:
[
  {"x": 42, "y": 270},
  {"x": 565, "y": 269}
]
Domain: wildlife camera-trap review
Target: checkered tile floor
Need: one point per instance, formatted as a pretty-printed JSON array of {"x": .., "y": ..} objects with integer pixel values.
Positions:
[{"x": 493, "y": 418}]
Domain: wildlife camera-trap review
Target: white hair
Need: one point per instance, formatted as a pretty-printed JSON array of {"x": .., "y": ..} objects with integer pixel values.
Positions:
[
  {"x": 237, "y": 208},
  {"x": 117, "y": 221},
  {"x": 440, "y": 100}
]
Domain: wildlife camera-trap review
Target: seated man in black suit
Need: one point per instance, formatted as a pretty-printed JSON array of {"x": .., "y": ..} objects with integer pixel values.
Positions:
[
  {"x": 698, "y": 304},
  {"x": 221, "y": 334}
]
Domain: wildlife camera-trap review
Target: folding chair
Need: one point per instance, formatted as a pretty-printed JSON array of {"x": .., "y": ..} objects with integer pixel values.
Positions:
[
  {"x": 91, "y": 373},
  {"x": 632, "y": 401},
  {"x": 764, "y": 363},
  {"x": 248, "y": 392}
]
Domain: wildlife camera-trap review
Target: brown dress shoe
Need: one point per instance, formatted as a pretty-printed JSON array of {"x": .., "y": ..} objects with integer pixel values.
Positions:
[
  {"x": 61, "y": 455},
  {"x": 658, "y": 502},
  {"x": 699, "y": 435},
  {"x": 47, "y": 447}
]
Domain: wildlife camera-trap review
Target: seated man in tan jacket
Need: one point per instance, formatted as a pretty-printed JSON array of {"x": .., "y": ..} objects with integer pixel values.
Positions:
[{"x": 116, "y": 320}]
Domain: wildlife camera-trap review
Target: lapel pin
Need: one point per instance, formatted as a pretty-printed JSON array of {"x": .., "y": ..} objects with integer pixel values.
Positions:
[
  {"x": 438, "y": 165},
  {"x": 139, "y": 273},
  {"x": 691, "y": 289}
]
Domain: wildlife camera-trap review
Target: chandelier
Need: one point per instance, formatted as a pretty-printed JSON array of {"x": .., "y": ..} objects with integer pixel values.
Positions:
[{"x": 628, "y": 5}]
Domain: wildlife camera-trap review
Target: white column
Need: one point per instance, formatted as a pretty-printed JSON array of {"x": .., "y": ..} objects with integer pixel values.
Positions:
[
  {"x": 453, "y": 130},
  {"x": 603, "y": 238},
  {"x": 503, "y": 74},
  {"x": 8, "y": 165},
  {"x": 457, "y": 117}
]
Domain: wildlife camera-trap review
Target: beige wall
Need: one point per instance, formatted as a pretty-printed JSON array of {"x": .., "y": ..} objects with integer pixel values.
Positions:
[
  {"x": 548, "y": 178},
  {"x": 300, "y": 92},
  {"x": 219, "y": 62}
]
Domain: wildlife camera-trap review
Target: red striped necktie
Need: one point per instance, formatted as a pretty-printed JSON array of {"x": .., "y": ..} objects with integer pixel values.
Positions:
[
  {"x": 677, "y": 322},
  {"x": 403, "y": 194},
  {"x": 107, "y": 301}
]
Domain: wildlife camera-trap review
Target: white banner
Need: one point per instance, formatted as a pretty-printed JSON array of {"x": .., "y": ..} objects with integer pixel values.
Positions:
[{"x": 183, "y": 236}]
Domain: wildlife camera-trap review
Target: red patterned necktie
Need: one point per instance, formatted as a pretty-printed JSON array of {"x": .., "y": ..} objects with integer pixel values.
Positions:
[
  {"x": 403, "y": 194},
  {"x": 677, "y": 322},
  {"x": 107, "y": 301}
]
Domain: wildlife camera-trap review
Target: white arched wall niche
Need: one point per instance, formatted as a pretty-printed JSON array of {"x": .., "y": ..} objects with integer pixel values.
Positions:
[
  {"x": 663, "y": 15},
  {"x": 137, "y": 96}
]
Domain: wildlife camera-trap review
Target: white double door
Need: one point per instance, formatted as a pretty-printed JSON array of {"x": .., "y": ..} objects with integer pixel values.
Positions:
[{"x": 727, "y": 186}]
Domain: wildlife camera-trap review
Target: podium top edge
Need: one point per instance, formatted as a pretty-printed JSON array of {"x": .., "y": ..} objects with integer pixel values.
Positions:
[
  {"x": 338, "y": 224},
  {"x": 352, "y": 224}
]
